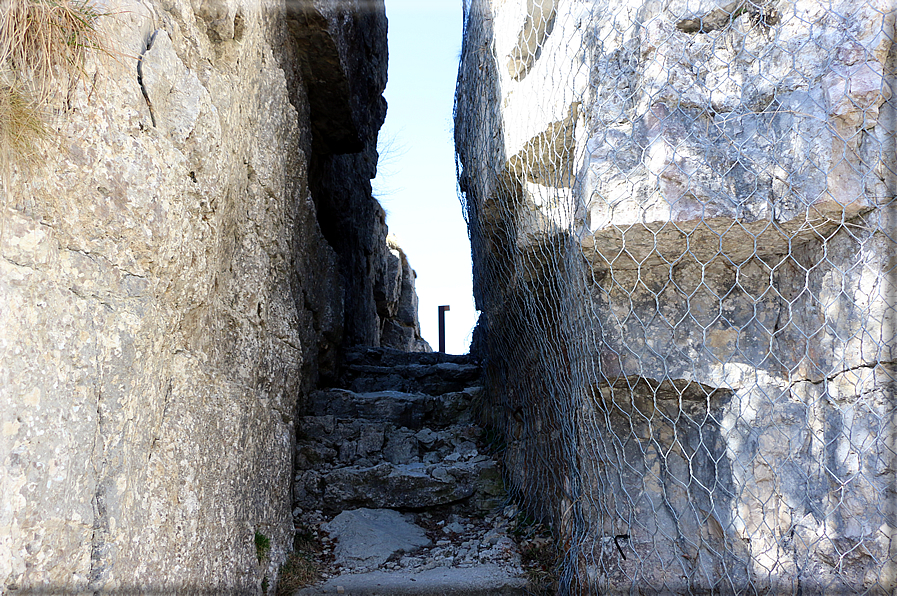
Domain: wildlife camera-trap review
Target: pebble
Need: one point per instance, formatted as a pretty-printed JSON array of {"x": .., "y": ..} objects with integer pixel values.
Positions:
[
  {"x": 427, "y": 437},
  {"x": 440, "y": 473}
]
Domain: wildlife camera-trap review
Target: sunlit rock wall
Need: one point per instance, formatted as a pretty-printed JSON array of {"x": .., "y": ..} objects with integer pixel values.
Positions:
[
  {"x": 168, "y": 291},
  {"x": 682, "y": 220},
  {"x": 397, "y": 303}
]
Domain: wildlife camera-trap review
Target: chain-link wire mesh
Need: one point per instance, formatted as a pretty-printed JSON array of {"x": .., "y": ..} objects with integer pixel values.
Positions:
[{"x": 682, "y": 221}]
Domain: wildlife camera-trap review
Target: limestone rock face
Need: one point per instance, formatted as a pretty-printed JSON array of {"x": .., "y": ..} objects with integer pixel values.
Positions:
[
  {"x": 397, "y": 304},
  {"x": 681, "y": 215},
  {"x": 169, "y": 287},
  {"x": 343, "y": 58}
]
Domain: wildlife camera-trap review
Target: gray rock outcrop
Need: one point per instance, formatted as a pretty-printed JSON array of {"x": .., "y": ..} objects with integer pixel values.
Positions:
[
  {"x": 397, "y": 304},
  {"x": 682, "y": 222},
  {"x": 197, "y": 243},
  {"x": 366, "y": 538}
]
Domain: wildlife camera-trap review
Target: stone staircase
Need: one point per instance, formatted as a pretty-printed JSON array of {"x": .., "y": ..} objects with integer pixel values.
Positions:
[{"x": 393, "y": 477}]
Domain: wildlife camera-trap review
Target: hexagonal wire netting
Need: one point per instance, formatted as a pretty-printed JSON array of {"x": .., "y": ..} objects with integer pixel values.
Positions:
[{"x": 682, "y": 222}]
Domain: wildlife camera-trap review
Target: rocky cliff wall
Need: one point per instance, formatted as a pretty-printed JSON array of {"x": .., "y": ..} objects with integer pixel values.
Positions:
[
  {"x": 196, "y": 241},
  {"x": 681, "y": 216}
]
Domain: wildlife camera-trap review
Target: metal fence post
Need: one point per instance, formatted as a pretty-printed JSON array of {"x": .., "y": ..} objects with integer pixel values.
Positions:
[{"x": 442, "y": 310}]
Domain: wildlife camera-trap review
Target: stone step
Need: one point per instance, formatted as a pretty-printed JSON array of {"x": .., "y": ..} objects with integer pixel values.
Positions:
[
  {"x": 391, "y": 357},
  {"x": 400, "y": 486},
  {"x": 434, "y": 379},
  {"x": 326, "y": 442},
  {"x": 398, "y": 436},
  {"x": 479, "y": 580},
  {"x": 358, "y": 463},
  {"x": 412, "y": 410}
]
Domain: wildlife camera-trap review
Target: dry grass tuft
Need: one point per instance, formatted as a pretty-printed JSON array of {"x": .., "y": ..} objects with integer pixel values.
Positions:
[
  {"x": 21, "y": 125},
  {"x": 298, "y": 572},
  {"x": 301, "y": 568},
  {"x": 538, "y": 554},
  {"x": 39, "y": 36},
  {"x": 540, "y": 560},
  {"x": 40, "y": 41}
]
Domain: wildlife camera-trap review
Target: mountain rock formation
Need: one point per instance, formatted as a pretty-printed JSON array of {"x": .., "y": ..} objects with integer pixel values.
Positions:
[
  {"x": 682, "y": 220},
  {"x": 196, "y": 244}
]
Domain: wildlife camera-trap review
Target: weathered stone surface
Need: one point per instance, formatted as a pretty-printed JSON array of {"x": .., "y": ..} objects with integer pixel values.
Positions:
[
  {"x": 175, "y": 96},
  {"x": 435, "y": 470},
  {"x": 343, "y": 50},
  {"x": 167, "y": 291},
  {"x": 367, "y": 537},
  {"x": 360, "y": 463},
  {"x": 681, "y": 219},
  {"x": 401, "y": 447},
  {"x": 392, "y": 357},
  {"x": 397, "y": 304},
  {"x": 342, "y": 44},
  {"x": 397, "y": 486},
  {"x": 390, "y": 449},
  {"x": 413, "y": 410},
  {"x": 436, "y": 379},
  {"x": 482, "y": 580}
]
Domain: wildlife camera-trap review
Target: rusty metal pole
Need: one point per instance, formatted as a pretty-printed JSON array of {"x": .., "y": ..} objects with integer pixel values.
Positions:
[{"x": 442, "y": 310}]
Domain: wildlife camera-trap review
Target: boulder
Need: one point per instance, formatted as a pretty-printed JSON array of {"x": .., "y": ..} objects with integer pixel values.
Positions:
[{"x": 366, "y": 538}]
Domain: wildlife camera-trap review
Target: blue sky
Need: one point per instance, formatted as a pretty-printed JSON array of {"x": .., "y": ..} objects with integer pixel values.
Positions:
[{"x": 416, "y": 177}]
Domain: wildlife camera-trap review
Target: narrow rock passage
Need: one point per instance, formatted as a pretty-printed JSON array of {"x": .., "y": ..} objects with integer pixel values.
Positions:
[{"x": 393, "y": 476}]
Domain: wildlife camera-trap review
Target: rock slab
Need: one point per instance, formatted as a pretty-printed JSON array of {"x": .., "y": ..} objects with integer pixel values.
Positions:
[{"x": 366, "y": 538}]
